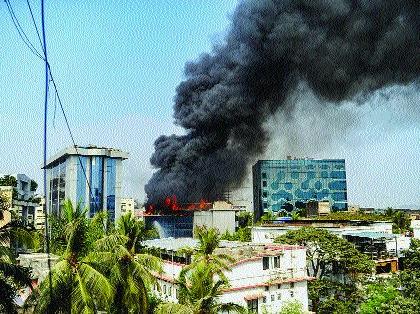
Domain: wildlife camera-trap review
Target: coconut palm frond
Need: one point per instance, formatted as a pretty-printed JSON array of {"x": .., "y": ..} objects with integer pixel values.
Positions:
[{"x": 174, "y": 308}]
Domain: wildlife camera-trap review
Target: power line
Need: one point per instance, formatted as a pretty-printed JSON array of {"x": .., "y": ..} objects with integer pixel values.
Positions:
[
  {"x": 33, "y": 21},
  {"x": 20, "y": 31},
  {"x": 69, "y": 129},
  {"x": 28, "y": 43}
]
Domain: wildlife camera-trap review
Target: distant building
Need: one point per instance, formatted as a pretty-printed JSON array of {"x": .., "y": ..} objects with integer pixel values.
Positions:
[
  {"x": 18, "y": 190},
  {"x": 263, "y": 277},
  {"x": 222, "y": 216},
  {"x": 39, "y": 215},
  {"x": 283, "y": 185},
  {"x": 180, "y": 224},
  {"x": 127, "y": 205},
  {"x": 90, "y": 176},
  {"x": 38, "y": 262},
  {"x": 374, "y": 238},
  {"x": 318, "y": 208}
]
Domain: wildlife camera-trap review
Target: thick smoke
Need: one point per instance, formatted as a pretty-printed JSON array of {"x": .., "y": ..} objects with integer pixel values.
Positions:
[{"x": 341, "y": 49}]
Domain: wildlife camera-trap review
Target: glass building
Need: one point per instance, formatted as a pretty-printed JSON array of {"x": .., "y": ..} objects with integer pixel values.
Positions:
[
  {"x": 281, "y": 184},
  {"x": 89, "y": 176}
]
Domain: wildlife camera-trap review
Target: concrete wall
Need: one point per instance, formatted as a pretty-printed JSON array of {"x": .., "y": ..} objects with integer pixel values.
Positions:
[
  {"x": 223, "y": 219},
  {"x": 273, "y": 287},
  {"x": 261, "y": 234}
]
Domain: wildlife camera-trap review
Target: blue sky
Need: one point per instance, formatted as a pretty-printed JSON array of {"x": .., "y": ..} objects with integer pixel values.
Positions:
[{"x": 117, "y": 64}]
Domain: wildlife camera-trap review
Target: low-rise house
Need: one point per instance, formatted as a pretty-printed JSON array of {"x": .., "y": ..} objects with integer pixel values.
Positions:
[
  {"x": 38, "y": 262},
  {"x": 262, "y": 278},
  {"x": 374, "y": 238},
  {"x": 19, "y": 191}
]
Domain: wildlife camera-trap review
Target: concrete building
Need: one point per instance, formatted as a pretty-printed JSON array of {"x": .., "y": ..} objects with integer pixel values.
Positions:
[
  {"x": 372, "y": 238},
  {"x": 127, "y": 205},
  {"x": 263, "y": 277},
  {"x": 222, "y": 216},
  {"x": 266, "y": 233},
  {"x": 38, "y": 262},
  {"x": 284, "y": 185},
  {"x": 18, "y": 190},
  {"x": 39, "y": 215},
  {"x": 90, "y": 176}
]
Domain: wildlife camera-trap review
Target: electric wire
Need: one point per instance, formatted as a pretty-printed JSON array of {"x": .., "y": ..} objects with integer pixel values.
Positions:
[
  {"x": 28, "y": 43},
  {"x": 69, "y": 129},
  {"x": 21, "y": 32},
  {"x": 33, "y": 21}
]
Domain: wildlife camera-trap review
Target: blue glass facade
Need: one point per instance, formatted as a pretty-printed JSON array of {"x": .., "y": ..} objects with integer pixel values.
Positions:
[
  {"x": 81, "y": 181},
  {"x": 102, "y": 180},
  {"x": 96, "y": 184},
  {"x": 111, "y": 175},
  {"x": 172, "y": 225},
  {"x": 57, "y": 185},
  {"x": 281, "y": 183}
]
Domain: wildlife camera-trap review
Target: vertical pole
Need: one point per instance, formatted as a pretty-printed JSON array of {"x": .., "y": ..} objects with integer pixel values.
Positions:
[{"x": 47, "y": 237}]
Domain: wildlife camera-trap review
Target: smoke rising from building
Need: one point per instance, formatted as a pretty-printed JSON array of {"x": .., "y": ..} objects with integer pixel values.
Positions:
[{"x": 342, "y": 50}]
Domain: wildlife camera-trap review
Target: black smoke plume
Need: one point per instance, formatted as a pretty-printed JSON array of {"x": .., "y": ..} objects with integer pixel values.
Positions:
[{"x": 342, "y": 49}]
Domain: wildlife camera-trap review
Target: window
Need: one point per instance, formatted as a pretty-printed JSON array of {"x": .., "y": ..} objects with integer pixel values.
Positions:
[
  {"x": 164, "y": 289},
  {"x": 265, "y": 205},
  {"x": 292, "y": 285},
  {"x": 279, "y": 286},
  {"x": 273, "y": 297},
  {"x": 169, "y": 290},
  {"x": 276, "y": 261},
  {"x": 264, "y": 183},
  {"x": 264, "y": 175},
  {"x": 264, "y": 193},
  {"x": 176, "y": 293},
  {"x": 264, "y": 300},
  {"x": 266, "y": 262},
  {"x": 267, "y": 288},
  {"x": 292, "y": 293},
  {"x": 252, "y": 305},
  {"x": 278, "y": 296}
]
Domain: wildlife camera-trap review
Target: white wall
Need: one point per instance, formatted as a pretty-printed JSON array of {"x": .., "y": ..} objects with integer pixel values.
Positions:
[{"x": 248, "y": 278}]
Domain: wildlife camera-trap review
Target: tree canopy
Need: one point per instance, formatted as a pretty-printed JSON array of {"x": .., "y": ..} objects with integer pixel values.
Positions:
[{"x": 327, "y": 253}]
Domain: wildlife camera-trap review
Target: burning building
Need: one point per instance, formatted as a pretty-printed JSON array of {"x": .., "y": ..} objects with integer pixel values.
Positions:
[
  {"x": 342, "y": 50},
  {"x": 179, "y": 221}
]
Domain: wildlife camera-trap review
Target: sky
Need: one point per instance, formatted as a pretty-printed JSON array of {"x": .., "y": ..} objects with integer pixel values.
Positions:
[{"x": 117, "y": 65}]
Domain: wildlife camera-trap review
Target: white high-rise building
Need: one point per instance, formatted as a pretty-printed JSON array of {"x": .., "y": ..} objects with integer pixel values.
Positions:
[{"x": 90, "y": 176}]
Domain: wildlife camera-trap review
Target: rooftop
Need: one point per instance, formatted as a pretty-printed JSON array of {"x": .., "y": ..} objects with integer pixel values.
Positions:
[
  {"x": 90, "y": 150},
  {"x": 238, "y": 250}
]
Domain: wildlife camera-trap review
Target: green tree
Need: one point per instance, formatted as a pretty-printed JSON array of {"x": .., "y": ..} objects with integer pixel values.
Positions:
[
  {"x": 242, "y": 234},
  {"x": 386, "y": 299},
  {"x": 34, "y": 185},
  {"x": 292, "y": 307},
  {"x": 12, "y": 276},
  {"x": 268, "y": 216},
  {"x": 208, "y": 242},
  {"x": 199, "y": 293},
  {"x": 8, "y": 181},
  {"x": 329, "y": 256},
  {"x": 400, "y": 222},
  {"x": 245, "y": 219},
  {"x": 326, "y": 253},
  {"x": 130, "y": 272},
  {"x": 74, "y": 285},
  {"x": 411, "y": 258}
]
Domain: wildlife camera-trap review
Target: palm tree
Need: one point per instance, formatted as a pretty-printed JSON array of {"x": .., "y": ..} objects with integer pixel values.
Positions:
[
  {"x": 209, "y": 240},
  {"x": 74, "y": 285},
  {"x": 199, "y": 293},
  {"x": 130, "y": 272},
  {"x": 12, "y": 276}
]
